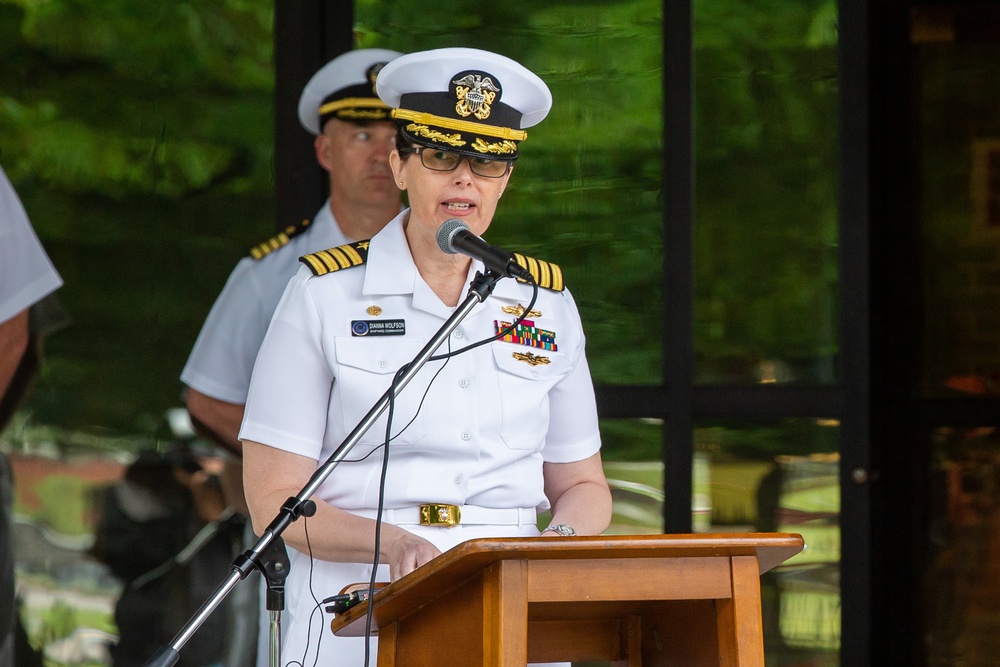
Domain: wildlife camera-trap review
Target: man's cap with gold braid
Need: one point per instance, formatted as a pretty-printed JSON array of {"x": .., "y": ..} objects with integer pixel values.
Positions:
[
  {"x": 467, "y": 101},
  {"x": 546, "y": 274},
  {"x": 344, "y": 88},
  {"x": 327, "y": 261},
  {"x": 279, "y": 239}
]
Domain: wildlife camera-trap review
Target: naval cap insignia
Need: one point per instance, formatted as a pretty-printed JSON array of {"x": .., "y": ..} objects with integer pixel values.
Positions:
[{"x": 475, "y": 92}]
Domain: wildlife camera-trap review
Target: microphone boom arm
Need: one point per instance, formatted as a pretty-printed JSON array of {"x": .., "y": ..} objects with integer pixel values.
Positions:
[{"x": 479, "y": 289}]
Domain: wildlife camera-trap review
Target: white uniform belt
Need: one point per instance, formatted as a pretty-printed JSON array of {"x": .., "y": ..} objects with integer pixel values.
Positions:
[{"x": 468, "y": 514}]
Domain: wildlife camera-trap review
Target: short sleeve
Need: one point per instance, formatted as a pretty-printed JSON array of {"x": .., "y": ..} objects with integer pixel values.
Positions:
[
  {"x": 573, "y": 433},
  {"x": 26, "y": 273},
  {"x": 290, "y": 387},
  {"x": 221, "y": 361}
]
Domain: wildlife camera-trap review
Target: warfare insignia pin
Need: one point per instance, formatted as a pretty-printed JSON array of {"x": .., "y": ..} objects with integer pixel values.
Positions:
[
  {"x": 475, "y": 91},
  {"x": 531, "y": 359},
  {"x": 374, "y": 311},
  {"x": 518, "y": 310}
]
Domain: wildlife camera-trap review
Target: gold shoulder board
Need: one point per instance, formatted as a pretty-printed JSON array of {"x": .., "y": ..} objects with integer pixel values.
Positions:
[
  {"x": 546, "y": 274},
  {"x": 278, "y": 240},
  {"x": 335, "y": 259}
]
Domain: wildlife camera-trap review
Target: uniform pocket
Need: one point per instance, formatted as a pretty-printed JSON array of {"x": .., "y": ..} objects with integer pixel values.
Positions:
[
  {"x": 525, "y": 377},
  {"x": 365, "y": 368}
]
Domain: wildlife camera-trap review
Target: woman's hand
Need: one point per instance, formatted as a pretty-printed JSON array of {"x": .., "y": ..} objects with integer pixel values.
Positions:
[
  {"x": 271, "y": 475},
  {"x": 406, "y": 552}
]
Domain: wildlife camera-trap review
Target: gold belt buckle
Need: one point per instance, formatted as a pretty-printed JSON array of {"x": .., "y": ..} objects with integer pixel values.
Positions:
[{"x": 440, "y": 515}]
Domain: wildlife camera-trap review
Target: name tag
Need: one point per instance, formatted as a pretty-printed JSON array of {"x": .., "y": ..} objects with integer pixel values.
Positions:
[{"x": 378, "y": 328}]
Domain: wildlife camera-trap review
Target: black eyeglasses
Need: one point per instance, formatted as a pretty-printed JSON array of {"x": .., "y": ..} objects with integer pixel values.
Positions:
[{"x": 441, "y": 160}]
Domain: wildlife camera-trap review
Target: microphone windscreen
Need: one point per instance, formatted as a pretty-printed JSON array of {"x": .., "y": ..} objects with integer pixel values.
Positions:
[{"x": 446, "y": 231}]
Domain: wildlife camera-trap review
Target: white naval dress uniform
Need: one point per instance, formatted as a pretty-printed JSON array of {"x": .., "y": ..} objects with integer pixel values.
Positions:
[
  {"x": 221, "y": 362},
  {"x": 477, "y": 440},
  {"x": 222, "y": 359},
  {"x": 26, "y": 277}
]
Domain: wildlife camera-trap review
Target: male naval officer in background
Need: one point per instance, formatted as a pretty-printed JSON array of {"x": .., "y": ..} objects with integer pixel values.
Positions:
[{"x": 354, "y": 135}]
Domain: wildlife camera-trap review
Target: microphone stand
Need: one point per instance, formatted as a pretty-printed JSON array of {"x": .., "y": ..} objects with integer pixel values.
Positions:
[{"x": 301, "y": 505}]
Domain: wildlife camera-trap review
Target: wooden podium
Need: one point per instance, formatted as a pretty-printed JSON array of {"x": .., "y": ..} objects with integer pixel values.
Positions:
[{"x": 657, "y": 600}]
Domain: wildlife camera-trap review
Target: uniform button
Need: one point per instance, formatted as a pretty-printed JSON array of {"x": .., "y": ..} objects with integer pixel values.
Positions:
[
  {"x": 382, "y": 363},
  {"x": 463, "y": 383},
  {"x": 466, "y": 435},
  {"x": 458, "y": 478},
  {"x": 459, "y": 334}
]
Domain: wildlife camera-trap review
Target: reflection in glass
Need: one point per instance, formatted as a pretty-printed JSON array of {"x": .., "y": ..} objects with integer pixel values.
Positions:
[
  {"x": 585, "y": 192},
  {"x": 95, "y": 524},
  {"x": 781, "y": 477},
  {"x": 962, "y": 572},
  {"x": 140, "y": 139},
  {"x": 766, "y": 195},
  {"x": 632, "y": 463},
  {"x": 959, "y": 193}
]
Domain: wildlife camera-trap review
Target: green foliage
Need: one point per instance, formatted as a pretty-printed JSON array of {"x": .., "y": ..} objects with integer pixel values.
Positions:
[
  {"x": 59, "y": 622},
  {"x": 92, "y": 104},
  {"x": 793, "y": 437},
  {"x": 139, "y": 136},
  {"x": 766, "y": 227},
  {"x": 586, "y": 190},
  {"x": 633, "y": 440},
  {"x": 65, "y": 504}
]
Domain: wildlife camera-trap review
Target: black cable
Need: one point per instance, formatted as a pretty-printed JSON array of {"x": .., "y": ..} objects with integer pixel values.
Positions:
[
  {"x": 381, "y": 491},
  {"x": 378, "y": 520},
  {"x": 385, "y": 466},
  {"x": 378, "y": 516},
  {"x": 312, "y": 593},
  {"x": 400, "y": 371},
  {"x": 312, "y": 614},
  {"x": 517, "y": 321}
]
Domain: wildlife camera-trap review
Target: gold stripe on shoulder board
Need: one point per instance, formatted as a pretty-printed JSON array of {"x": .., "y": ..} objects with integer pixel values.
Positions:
[
  {"x": 335, "y": 259},
  {"x": 546, "y": 274},
  {"x": 282, "y": 238}
]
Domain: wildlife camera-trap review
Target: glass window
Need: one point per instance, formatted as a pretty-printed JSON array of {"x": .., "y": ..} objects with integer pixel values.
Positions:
[
  {"x": 961, "y": 582},
  {"x": 634, "y": 468},
  {"x": 959, "y": 208},
  {"x": 586, "y": 190},
  {"x": 781, "y": 477},
  {"x": 765, "y": 253},
  {"x": 139, "y": 138},
  {"x": 955, "y": 66}
]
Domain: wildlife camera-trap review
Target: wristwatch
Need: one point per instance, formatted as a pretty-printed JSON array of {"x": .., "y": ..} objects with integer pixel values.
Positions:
[{"x": 561, "y": 529}]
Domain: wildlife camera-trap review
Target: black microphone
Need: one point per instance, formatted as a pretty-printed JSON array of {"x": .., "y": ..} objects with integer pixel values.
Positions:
[{"x": 454, "y": 237}]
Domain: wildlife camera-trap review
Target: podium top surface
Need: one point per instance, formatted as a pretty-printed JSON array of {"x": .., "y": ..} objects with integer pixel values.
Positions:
[{"x": 770, "y": 549}]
